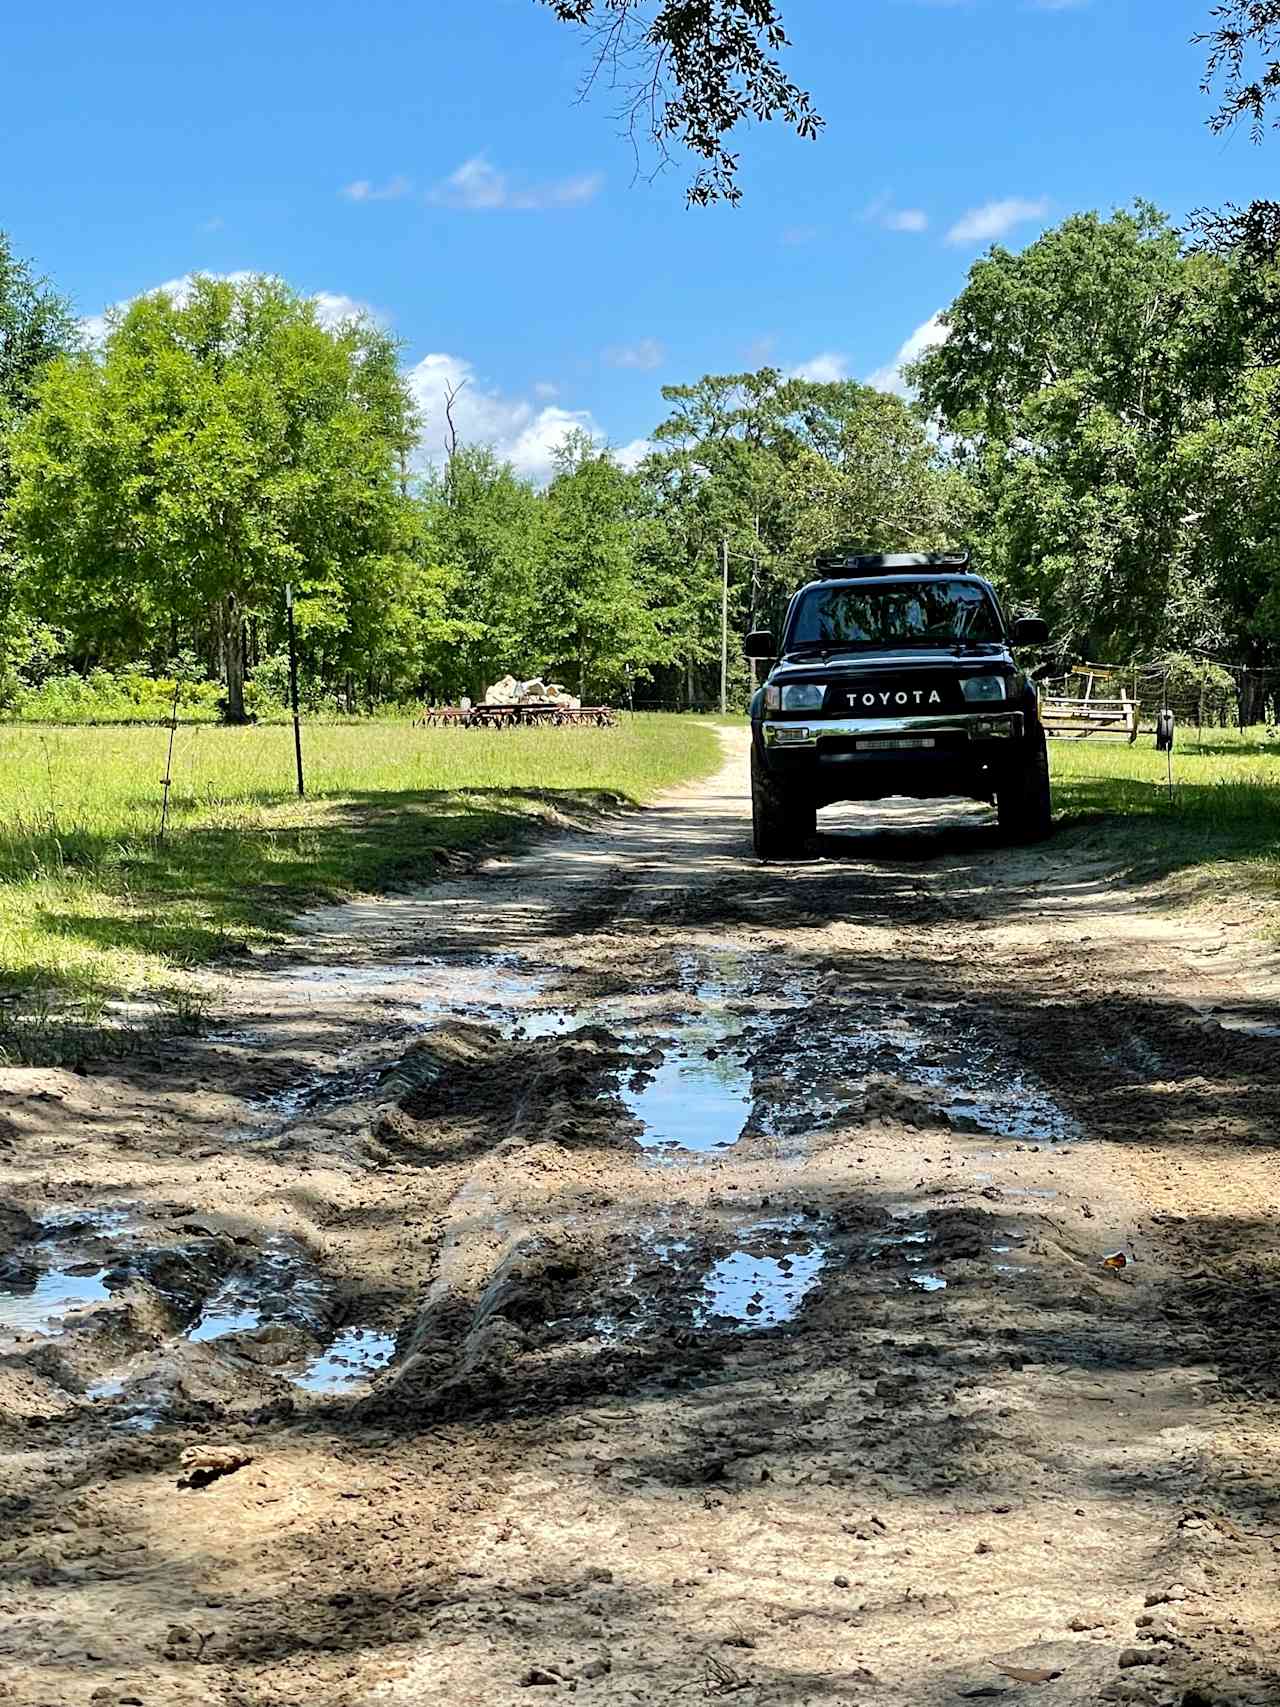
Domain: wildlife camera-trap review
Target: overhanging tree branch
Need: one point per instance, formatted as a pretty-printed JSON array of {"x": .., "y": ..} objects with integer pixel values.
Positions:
[
  {"x": 690, "y": 71},
  {"x": 1242, "y": 33}
]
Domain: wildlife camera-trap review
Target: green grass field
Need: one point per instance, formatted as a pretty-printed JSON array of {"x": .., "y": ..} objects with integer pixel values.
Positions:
[
  {"x": 1224, "y": 809},
  {"x": 92, "y": 906}
]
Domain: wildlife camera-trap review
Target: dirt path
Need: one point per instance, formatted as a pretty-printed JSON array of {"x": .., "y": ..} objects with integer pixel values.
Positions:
[{"x": 639, "y": 1273}]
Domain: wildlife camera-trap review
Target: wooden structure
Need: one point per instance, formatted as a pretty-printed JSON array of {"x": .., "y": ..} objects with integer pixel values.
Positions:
[
  {"x": 521, "y": 715},
  {"x": 1085, "y": 714}
]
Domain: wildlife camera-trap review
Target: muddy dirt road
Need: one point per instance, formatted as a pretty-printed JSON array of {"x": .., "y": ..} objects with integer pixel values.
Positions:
[{"x": 637, "y": 1273}]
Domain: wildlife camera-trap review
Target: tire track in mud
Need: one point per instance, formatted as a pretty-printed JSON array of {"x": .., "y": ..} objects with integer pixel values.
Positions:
[{"x": 733, "y": 1241}]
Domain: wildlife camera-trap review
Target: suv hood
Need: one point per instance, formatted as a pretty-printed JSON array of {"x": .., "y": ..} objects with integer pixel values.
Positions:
[{"x": 844, "y": 666}]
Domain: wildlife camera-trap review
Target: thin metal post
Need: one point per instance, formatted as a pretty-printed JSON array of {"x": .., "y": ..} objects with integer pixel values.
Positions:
[
  {"x": 293, "y": 689},
  {"x": 724, "y": 629},
  {"x": 168, "y": 764}
]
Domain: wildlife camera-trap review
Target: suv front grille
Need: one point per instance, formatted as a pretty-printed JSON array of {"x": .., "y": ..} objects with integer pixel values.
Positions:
[{"x": 891, "y": 696}]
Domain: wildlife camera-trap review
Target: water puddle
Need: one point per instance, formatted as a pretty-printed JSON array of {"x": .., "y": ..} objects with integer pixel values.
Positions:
[
  {"x": 704, "y": 1092},
  {"x": 760, "y": 1291},
  {"x": 356, "y": 1355},
  {"x": 61, "y": 1271},
  {"x": 281, "y": 1287},
  {"x": 223, "y": 1317},
  {"x": 419, "y": 995},
  {"x": 695, "y": 1101},
  {"x": 140, "y": 1415},
  {"x": 759, "y": 1282},
  {"x": 536, "y": 1023},
  {"x": 929, "y": 1282},
  {"x": 52, "y": 1299}
]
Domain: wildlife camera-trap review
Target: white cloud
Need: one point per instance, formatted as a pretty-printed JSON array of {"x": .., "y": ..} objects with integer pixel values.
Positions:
[
  {"x": 332, "y": 308},
  {"x": 546, "y": 390},
  {"x": 632, "y": 455},
  {"x": 646, "y": 355},
  {"x": 996, "y": 219},
  {"x": 889, "y": 377},
  {"x": 520, "y": 432},
  {"x": 824, "y": 369},
  {"x": 478, "y": 187},
  {"x": 881, "y": 211},
  {"x": 364, "y": 190}
]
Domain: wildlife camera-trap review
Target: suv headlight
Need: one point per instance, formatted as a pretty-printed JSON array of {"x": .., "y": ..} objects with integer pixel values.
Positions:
[
  {"x": 803, "y": 696},
  {"x": 981, "y": 690}
]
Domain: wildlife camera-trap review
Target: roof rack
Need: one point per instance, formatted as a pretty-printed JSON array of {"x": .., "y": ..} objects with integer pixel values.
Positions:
[{"x": 832, "y": 563}]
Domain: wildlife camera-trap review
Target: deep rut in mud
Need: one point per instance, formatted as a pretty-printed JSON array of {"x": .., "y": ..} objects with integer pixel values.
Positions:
[{"x": 641, "y": 1273}]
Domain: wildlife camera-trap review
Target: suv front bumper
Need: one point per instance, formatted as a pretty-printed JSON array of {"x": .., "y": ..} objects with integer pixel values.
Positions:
[
  {"x": 852, "y": 737},
  {"x": 869, "y": 758}
]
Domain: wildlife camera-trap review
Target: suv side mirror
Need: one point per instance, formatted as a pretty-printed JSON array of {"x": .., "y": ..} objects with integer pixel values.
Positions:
[
  {"x": 758, "y": 644},
  {"x": 1030, "y": 631}
]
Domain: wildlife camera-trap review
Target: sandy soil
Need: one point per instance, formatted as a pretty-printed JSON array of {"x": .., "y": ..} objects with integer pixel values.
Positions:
[{"x": 639, "y": 1273}]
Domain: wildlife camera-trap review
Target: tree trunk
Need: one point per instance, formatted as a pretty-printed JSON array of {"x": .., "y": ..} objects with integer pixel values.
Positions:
[
  {"x": 1253, "y": 699},
  {"x": 582, "y": 679},
  {"x": 232, "y": 626}
]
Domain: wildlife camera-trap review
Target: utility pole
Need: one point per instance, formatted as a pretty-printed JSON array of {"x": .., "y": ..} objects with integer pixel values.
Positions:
[
  {"x": 293, "y": 688},
  {"x": 724, "y": 628}
]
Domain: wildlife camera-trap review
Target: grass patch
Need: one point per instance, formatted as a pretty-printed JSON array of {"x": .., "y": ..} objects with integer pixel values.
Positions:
[
  {"x": 91, "y": 904},
  {"x": 1224, "y": 808}
]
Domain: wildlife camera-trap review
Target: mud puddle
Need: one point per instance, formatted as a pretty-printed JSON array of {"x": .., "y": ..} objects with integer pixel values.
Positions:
[
  {"x": 699, "y": 1099},
  {"x": 280, "y": 1286},
  {"x": 55, "y": 1298},
  {"x": 352, "y": 1359},
  {"x": 745, "y": 1279},
  {"x": 61, "y": 1271},
  {"x": 762, "y": 1288},
  {"x": 413, "y": 997}
]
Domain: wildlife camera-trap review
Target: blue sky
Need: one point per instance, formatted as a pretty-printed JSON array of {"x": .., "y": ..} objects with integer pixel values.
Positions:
[{"x": 427, "y": 158}]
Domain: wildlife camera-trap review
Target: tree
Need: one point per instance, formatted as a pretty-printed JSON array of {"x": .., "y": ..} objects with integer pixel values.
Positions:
[
  {"x": 589, "y": 614},
  {"x": 783, "y": 468},
  {"x": 484, "y": 527},
  {"x": 1071, "y": 374},
  {"x": 1244, "y": 58},
  {"x": 1231, "y": 468},
  {"x": 222, "y": 446},
  {"x": 36, "y": 325},
  {"x": 692, "y": 71}
]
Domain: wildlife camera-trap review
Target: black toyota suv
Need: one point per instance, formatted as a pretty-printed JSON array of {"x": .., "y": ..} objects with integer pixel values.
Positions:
[{"x": 895, "y": 675}]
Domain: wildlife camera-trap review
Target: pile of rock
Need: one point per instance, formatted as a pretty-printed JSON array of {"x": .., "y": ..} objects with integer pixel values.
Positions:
[{"x": 509, "y": 691}]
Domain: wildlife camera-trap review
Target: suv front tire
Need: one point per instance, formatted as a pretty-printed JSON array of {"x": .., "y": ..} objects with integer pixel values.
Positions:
[
  {"x": 782, "y": 821},
  {"x": 1024, "y": 803}
]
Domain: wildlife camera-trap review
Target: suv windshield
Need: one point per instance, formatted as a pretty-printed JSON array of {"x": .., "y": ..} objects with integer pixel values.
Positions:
[{"x": 896, "y": 613}]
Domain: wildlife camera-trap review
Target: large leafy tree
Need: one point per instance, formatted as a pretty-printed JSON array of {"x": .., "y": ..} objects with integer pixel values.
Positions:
[
  {"x": 36, "y": 325},
  {"x": 783, "y": 468},
  {"x": 1071, "y": 374},
  {"x": 484, "y": 526},
  {"x": 691, "y": 71},
  {"x": 590, "y": 618},
  {"x": 221, "y": 446}
]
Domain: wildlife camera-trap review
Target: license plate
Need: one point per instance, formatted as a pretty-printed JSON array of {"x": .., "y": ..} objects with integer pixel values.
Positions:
[{"x": 896, "y": 742}]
